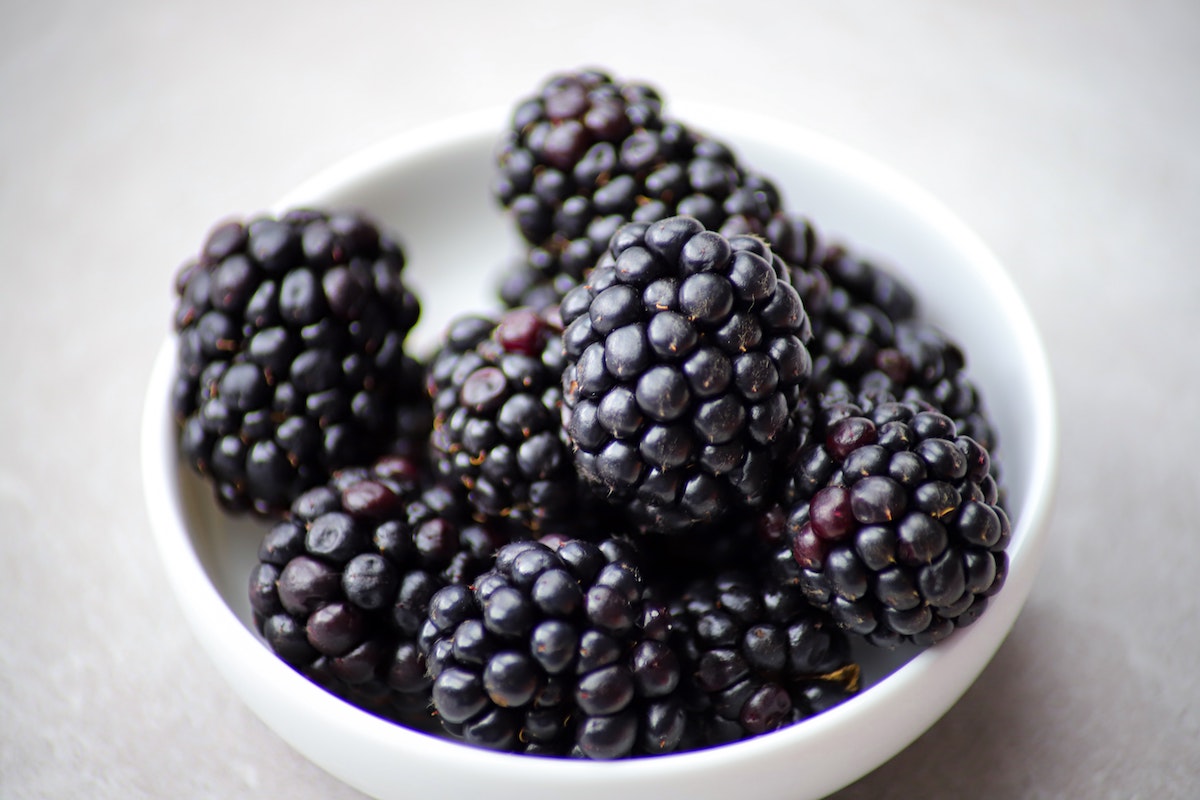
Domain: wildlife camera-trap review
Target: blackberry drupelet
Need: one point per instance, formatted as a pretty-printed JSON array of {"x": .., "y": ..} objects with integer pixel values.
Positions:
[
  {"x": 497, "y": 398},
  {"x": 685, "y": 360},
  {"x": 895, "y": 524},
  {"x": 557, "y": 651},
  {"x": 757, "y": 656},
  {"x": 587, "y": 154},
  {"x": 292, "y": 360},
  {"x": 341, "y": 586}
]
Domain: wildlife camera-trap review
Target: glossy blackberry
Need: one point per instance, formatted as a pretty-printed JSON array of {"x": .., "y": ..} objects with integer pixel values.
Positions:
[
  {"x": 685, "y": 359},
  {"x": 587, "y": 154},
  {"x": 291, "y": 355},
  {"x": 870, "y": 342},
  {"x": 757, "y": 657},
  {"x": 496, "y": 388},
  {"x": 341, "y": 586},
  {"x": 557, "y": 651},
  {"x": 895, "y": 523}
]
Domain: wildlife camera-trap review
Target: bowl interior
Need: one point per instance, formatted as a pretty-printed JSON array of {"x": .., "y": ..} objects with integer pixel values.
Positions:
[{"x": 431, "y": 188}]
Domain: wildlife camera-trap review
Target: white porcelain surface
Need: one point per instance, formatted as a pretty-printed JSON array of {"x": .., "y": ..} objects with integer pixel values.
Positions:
[{"x": 431, "y": 188}]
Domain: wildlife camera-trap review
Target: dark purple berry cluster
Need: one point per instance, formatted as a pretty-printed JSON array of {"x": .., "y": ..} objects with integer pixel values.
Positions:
[
  {"x": 495, "y": 385},
  {"x": 685, "y": 362},
  {"x": 896, "y": 524},
  {"x": 646, "y": 504},
  {"x": 760, "y": 656},
  {"x": 587, "y": 154},
  {"x": 292, "y": 359},
  {"x": 557, "y": 651},
  {"x": 342, "y": 584}
]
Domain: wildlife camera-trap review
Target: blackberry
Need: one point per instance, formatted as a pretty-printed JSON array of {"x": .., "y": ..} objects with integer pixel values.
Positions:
[
  {"x": 685, "y": 360},
  {"x": 497, "y": 402},
  {"x": 895, "y": 523},
  {"x": 870, "y": 344},
  {"x": 757, "y": 656},
  {"x": 557, "y": 651},
  {"x": 587, "y": 154},
  {"x": 292, "y": 360},
  {"x": 341, "y": 586}
]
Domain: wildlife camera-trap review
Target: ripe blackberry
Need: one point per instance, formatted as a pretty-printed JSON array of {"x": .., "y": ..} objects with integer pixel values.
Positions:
[
  {"x": 292, "y": 359},
  {"x": 341, "y": 586},
  {"x": 556, "y": 651},
  {"x": 497, "y": 403},
  {"x": 587, "y": 154},
  {"x": 757, "y": 656},
  {"x": 685, "y": 360},
  {"x": 895, "y": 523}
]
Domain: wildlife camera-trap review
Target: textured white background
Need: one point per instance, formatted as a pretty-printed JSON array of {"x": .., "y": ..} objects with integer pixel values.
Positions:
[{"x": 1064, "y": 131}]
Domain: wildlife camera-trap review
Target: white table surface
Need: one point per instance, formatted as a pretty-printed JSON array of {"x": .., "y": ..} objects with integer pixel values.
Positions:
[{"x": 1065, "y": 132}]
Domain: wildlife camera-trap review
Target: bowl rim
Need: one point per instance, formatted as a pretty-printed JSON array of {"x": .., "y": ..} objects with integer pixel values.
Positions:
[{"x": 265, "y": 683}]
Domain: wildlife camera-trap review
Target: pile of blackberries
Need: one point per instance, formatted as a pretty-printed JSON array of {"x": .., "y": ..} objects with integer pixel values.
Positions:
[{"x": 644, "y": 505}]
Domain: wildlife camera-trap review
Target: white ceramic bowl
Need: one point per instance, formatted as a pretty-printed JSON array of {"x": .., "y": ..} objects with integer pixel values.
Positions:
[{"x": 432, "y": 188}]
